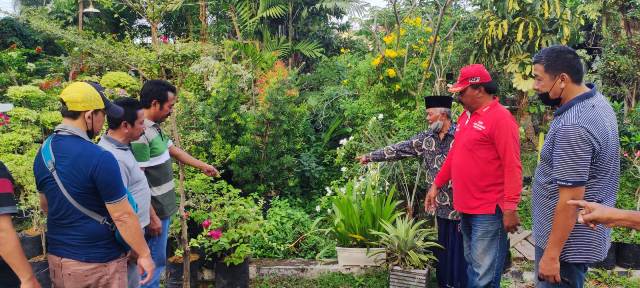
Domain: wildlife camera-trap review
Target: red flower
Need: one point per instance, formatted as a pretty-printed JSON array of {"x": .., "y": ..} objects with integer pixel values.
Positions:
[
  {"x": 38, "y": 50},
  {"x": 13, "y": 46},
  {"x": 206, "y": 224},
  {"x": 215, "y": 234},
  {"x": 4, "y": 119}
]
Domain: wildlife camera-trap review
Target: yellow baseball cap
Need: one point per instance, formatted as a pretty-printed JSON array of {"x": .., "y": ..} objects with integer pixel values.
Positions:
[{"x": 85, "y": 96}]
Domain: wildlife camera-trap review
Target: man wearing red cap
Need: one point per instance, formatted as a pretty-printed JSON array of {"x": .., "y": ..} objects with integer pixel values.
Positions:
[{"x": 485, "y": 171}]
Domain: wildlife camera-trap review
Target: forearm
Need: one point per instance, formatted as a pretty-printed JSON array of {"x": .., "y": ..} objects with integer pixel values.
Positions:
[
  {"x": 152, "y": 214},
  {"x": 185, "y": 157},
  {"x": 627, "y": 218},
  {"x": 43, "y": 203},
  {"x": 11, "y": 250},
  {"x": 564, "y": 220},
  {"x": 131, "y": 231}
]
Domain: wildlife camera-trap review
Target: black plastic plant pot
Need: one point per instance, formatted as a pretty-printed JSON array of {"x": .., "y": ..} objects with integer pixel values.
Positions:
[
  {"x": 32, "y": 245},
  {"x": 628, "y": 255},
  {"x": 232, "y": 276},
  {"x": 610, "y": 261},
  {"x": 41, "y": 270},
  {"x": 175, "y": 271}
]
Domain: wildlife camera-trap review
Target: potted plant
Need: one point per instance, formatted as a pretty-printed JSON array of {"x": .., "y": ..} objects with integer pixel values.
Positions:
[
  {"x": 357, "y": 212},
  {"x": 408, "y": 251},
  {"x": 229, "y": 222},
  {"x": 174, "y": 273},
  {"x": 627, "y": 253}
]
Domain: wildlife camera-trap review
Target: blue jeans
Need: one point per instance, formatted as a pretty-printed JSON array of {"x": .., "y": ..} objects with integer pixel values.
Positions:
[
  {"x": 158, "y": 247},
  {"x": 572, "y": 274},
  {"x": 485, "y": 247}
]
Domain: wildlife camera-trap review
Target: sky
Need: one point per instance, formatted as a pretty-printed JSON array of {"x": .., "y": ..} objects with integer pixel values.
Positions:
[
  {"x": 379, "y": 3},
  {"x": 6, "y": 5}
]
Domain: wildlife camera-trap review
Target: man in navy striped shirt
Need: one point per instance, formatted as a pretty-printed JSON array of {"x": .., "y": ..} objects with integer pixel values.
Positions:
[{"x": 579, "y": 160}]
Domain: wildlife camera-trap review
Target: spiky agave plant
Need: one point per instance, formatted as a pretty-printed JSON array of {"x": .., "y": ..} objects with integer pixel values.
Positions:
[{"x": 406, "y": 243}]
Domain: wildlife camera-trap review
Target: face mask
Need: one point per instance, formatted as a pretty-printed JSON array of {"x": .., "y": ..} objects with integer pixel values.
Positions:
[
  {"x": 545, "y": 97},
  {"x": 90, "y": 132},
  {"x": 436, "y": 126}
]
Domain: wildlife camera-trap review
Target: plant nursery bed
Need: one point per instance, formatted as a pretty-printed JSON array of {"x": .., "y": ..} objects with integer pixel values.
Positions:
[{"x": 297, "y": 267}]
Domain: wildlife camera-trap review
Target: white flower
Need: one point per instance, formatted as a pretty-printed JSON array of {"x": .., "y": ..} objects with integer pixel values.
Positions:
[
  {"x": 318, "y": 208},
  {"x": 343, "y": 190},
  {"x": 343, "y": 169},
  {"x": 380, "y": 116},
  {"x": 328, "y": 211},
  {"x": 350, "y": 138},
  {"x": 328, "y": 190},
  {"x": 343, "y": 141}
]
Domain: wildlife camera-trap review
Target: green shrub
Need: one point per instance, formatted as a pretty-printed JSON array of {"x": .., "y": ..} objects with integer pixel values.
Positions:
[
  {"x": 21, "y": 167},
  {"x": 285, "y": 235},
  {"x": 23, "y": 116},
  {"x": 49, "y": 119},
  {"x": 229, "y": 222},
  {"x": 19, "y": 140},
  {"x": 29, "y": 96},
  {"x": 120, "y": 80}
]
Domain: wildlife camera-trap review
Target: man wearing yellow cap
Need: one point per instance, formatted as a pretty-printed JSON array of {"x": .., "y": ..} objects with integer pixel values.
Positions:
[{"x": 88, "y": 212}]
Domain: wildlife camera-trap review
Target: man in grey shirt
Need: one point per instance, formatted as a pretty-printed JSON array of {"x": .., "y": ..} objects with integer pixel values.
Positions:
[{"x": 122, "y": 131}]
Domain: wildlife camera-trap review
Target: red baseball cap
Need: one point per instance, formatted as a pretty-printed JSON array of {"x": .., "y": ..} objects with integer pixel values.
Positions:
[{"x": 471, "y": 74}]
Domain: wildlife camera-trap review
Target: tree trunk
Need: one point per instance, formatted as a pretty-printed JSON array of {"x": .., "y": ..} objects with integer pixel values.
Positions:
[
  {"x": 154, "y": 34},
  {"x": 290, "y": 32},
  {"x": 203, "y": 21},
  {"x": 189, "y": 26},
  {"x": 184, "y": 238},
  {"x": 234, "y": 20},
  {"x": 80, "y": 16}
]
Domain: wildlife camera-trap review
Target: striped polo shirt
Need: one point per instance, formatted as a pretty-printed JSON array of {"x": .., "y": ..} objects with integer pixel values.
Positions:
[
  {"x": 152, "y": 153},
  {"x": 581, "y": 149}
]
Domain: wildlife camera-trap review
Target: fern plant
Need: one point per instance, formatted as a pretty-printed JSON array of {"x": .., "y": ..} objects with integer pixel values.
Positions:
[{"x": 406, "y": 243}]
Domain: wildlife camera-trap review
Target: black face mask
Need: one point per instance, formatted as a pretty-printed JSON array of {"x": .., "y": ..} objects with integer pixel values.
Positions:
[
  {"x": 90, "y": 132},
  {"x": 545, "y": 98}
]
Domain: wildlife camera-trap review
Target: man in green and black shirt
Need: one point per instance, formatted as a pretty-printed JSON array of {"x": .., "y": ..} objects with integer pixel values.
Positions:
[{"x": 154, "y": 151}]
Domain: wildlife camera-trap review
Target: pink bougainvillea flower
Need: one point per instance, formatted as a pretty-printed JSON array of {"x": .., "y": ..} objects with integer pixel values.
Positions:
[
  {"x": 625, "y": 154},
  {"x": 4, "y": 119},
  {"x": 215, "y": 234},
  {"x": 637, "y": 153},
  {"x": 206, "y": 224}
]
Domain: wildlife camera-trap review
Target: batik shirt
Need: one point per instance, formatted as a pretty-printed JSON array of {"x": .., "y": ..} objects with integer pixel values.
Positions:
[{"x": 433, "y": 151}]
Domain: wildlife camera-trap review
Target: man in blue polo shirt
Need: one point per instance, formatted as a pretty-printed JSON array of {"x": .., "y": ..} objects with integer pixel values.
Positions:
[
  {"x": 579, "y": 160},
  {"x": 82, "y": 251}
]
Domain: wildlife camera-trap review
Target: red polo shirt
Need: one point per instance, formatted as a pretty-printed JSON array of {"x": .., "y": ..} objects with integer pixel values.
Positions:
[{"x": 484, "y": 162}]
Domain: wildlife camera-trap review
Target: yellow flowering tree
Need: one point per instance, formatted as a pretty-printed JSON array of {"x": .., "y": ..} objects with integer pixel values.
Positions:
[{"x": 414, "y": 52}]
